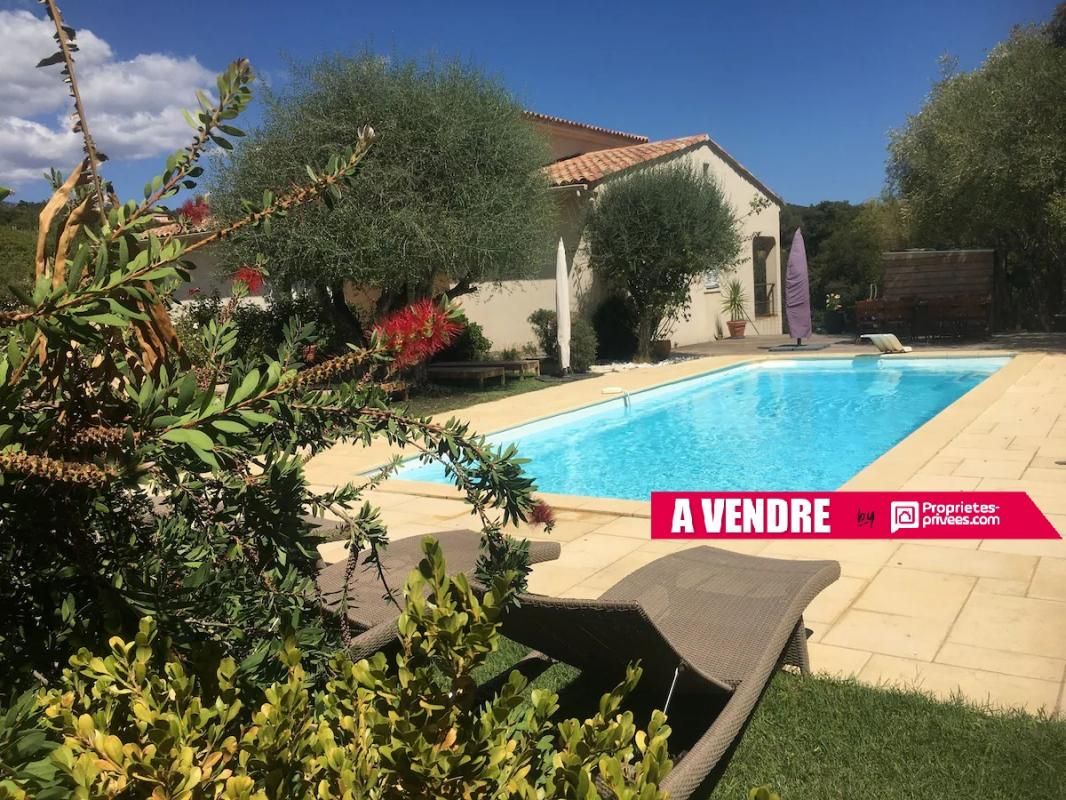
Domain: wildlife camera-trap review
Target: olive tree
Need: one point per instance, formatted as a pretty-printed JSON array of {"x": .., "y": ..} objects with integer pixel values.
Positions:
[
  {"x": 983, "y": 164},
  {"x": 452, "y": 195},
  {"x": 652, "y": 233}
]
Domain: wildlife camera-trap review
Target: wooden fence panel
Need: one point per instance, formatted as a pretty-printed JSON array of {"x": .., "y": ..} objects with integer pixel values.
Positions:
[
  {"x": 937, "y": 273},
  {"x": 932, "y": 294}
]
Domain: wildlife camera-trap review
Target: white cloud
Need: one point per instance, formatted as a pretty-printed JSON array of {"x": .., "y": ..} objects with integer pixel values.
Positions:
[{"x": 133, "y": 106}]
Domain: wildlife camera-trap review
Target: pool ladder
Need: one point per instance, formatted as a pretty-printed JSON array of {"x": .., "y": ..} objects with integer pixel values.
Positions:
[{"x": 619, "y": 390}]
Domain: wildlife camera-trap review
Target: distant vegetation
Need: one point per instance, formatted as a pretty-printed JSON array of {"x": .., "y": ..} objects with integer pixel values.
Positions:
[
  {"x": 21, "y": 215},
  {"x": 18, "y": 236},
  {"x": 844, "y": 244},
  {"x": 983, "y": 164}
]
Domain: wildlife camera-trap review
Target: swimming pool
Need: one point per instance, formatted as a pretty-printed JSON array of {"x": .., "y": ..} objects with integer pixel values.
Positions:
[{"x": 803, "y": 424}]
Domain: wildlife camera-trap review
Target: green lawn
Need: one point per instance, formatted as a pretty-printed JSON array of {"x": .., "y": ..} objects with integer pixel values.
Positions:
[
  {"x": 816, "y": 738},
  {"x": 824, "y": 739},
  {"x": 436, "y": 399}
]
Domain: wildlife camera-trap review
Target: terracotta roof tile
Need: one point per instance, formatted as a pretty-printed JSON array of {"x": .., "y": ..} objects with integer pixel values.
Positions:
[
  {"x": 597, "y": 165},
  {"x": 560, "y": 121}
]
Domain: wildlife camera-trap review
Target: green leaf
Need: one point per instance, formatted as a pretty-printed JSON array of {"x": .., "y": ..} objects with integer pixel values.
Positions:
[
  {"x": 207, "y": 458},
  {"x": 229, "y": 426},
  {"x": 186, "y": 390},
  {"x": 198, "y": 440},
  {"x": 255, "y": 417},
  {"x": 247, "y": 387},
  {"x": 112, "y": 320}
]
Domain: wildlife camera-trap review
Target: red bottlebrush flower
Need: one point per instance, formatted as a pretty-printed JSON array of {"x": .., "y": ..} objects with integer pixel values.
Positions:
[
  {"x": 542, "y": 514},
  {"x": 195, "y": 211},
  {"x": 416, "y": 332},
  {"x": 250, "y": 277},
  {"x": 310, "y": 353},
  {"x": 194, "y": 290}
]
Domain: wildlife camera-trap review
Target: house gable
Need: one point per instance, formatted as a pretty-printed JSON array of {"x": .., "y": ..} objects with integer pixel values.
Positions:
[
  {"x": 568, "y": 138},
  {"x": 592, "y": 167}
]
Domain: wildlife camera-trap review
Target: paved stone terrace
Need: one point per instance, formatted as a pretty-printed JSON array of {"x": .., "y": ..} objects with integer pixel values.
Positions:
[{"x": 984, "y": 618}]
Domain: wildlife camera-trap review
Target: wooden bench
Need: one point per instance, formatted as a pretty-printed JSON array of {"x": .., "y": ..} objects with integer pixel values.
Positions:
[
  {"x": 519, "y": 368},
  {"x": 397, "y": 389},
  {"x": 465, "y": 372}
]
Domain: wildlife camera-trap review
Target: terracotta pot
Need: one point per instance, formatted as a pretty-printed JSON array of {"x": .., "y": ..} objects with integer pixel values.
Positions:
[
  {"x": 660, "y": 349},
  {"x": 736, "y": 328}
]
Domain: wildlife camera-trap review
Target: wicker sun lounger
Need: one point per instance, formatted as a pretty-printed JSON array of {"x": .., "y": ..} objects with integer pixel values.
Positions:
[
  {"x": 372, "y": 615},
  {"x": 702, "y": 620}
]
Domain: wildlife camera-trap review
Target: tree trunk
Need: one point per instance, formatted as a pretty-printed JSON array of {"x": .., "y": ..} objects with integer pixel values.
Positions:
[
  {"x": 349, "y": 328},
  {"x": 1053, "y": 289},
  {"x": 462, "y": 287},
  {"x": 644, "y": 333}
]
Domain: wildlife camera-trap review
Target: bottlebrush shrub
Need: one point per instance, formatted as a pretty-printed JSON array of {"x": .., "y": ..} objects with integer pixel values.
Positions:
[
  {"x": 123, "y": 726},
  {"x": 249, "y": 277},
  {"x": 417, "y": 332},
  {"x": 195, "y": 212},
  {"x": 129, "y": 488}
]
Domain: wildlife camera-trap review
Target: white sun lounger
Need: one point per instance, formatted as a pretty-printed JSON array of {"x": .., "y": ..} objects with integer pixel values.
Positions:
[{"x": 887, "y": 343}]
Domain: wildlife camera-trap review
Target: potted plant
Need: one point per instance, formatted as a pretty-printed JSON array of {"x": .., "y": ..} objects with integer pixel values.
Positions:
[
  {"x": 734, "y": 303},
  {"x": 834, "y": 314}
]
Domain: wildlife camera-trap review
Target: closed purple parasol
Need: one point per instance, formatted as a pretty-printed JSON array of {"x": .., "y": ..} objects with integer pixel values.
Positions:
[{"x": 797, "y": 290}]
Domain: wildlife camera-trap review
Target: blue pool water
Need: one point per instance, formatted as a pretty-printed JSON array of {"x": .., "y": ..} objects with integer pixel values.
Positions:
[{"x": 775, "y": 425}]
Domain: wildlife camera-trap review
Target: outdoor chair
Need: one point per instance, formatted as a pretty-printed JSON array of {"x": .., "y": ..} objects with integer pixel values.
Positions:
[
  {"x": 887, "y": 343},
  {"x": 372, "y": 610},
  {"x": 703, "y": 622}
]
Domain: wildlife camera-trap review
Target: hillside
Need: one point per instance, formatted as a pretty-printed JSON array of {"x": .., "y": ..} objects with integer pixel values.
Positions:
[{"x": 18, "y": 235}]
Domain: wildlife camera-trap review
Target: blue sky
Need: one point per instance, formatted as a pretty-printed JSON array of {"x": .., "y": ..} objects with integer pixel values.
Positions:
[{"x": 802, "y": 93}]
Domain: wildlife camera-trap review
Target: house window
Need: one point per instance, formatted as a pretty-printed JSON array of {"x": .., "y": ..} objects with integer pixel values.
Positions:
[{"x": 761, "y": 247}]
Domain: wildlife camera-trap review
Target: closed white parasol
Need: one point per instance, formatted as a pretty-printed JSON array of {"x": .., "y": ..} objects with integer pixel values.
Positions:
[{"x": 562, "y": 307}]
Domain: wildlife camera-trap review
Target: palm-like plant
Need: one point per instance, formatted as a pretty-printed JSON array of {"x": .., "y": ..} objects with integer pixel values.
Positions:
[{"x": 735, "y": 300}]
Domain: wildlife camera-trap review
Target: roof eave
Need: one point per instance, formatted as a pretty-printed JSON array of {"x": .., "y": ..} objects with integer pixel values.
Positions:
[{"x": 636, "y": 138}]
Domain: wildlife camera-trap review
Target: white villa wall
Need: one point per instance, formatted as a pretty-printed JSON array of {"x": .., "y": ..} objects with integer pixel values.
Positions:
[
  {"x": 503, "y": 310},
  {"x": 706, "y": 320},
  {"x": 207, "y": 277}
]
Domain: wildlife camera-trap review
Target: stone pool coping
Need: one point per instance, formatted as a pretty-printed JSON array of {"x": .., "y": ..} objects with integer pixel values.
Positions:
[{"x": 891, "y": 470}]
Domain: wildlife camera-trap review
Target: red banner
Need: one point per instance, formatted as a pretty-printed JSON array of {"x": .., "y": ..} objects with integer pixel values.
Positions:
[{"x": 847, "y": 515}]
